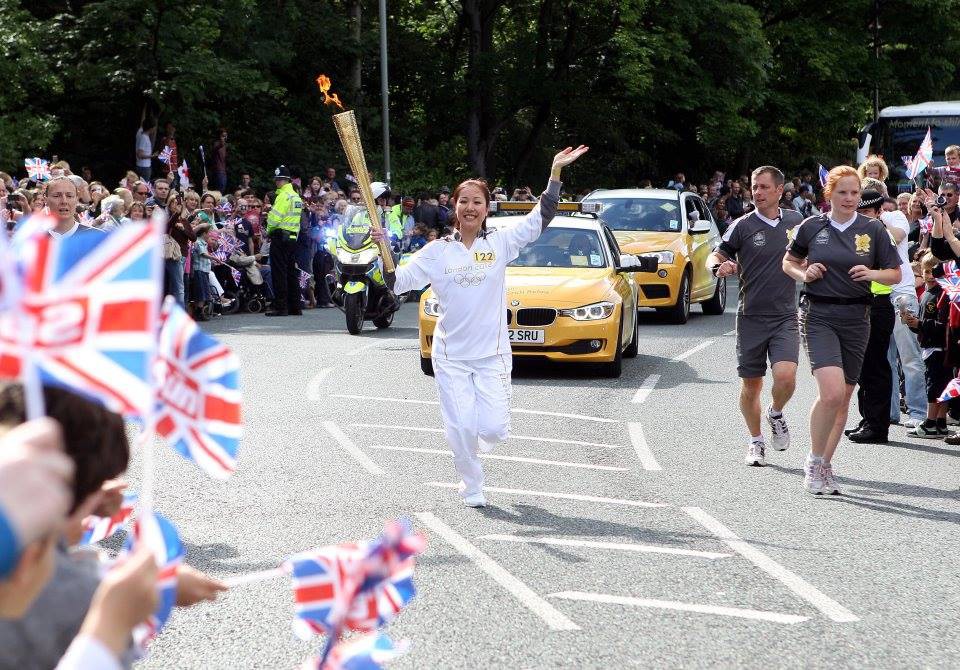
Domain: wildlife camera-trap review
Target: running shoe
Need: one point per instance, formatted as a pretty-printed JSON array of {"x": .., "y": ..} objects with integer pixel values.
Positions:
[
  {"x": 830, "y": 484},
  {"x": 476, "y": 500},
  {"x": 756, "y": 451},
  {"x": 780, "y": 439},
  {"x": 910, "y": 423},
  {"x": 813, "y": 478},
  {"x": 926, "y": 432}
]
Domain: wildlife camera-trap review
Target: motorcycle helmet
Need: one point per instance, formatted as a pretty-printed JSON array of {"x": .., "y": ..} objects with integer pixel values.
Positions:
[{"x": 380, "y": 189}]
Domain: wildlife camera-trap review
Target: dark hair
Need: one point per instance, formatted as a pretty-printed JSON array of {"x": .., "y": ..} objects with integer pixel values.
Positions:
[
  {"x": 484, "y": 189},
  {"x": 94, "y": 437}
]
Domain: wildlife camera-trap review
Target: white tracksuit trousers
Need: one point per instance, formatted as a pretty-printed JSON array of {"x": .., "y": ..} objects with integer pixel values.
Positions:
[{"x": 475, "y": 405}]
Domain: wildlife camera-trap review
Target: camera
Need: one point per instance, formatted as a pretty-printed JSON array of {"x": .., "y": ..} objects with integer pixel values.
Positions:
[{"x": 941, "y": 201}]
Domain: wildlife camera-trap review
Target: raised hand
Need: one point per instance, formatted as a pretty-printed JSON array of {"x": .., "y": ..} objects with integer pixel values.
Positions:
[{"x": 567, "y": 156}]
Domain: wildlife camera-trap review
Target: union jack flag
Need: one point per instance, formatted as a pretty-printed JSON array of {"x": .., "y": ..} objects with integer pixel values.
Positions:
[
  {"x": 198, "y": 394},
  {"x": 951, "y": 391},
  {"x": 822, "y": 173},
  {"x": 369, "y": 652},
  {"x": 97, "y": 528},
  {"x": 224, "y": 207},
  {"x": 359, "y": 586},
  {"x": 166, "y": 156},
  {"x": 87, "y": 312},
  {"x": 37, "y": 168},
  {"x": 923, "y": 159},
  {"x": 162, "y": 538},
  {"x": 951, "y": 286},
  {"x": 304, "y": 279}
]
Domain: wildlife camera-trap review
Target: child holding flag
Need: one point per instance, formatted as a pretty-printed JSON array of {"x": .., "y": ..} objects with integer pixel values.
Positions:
[{"x": 471, "y": 352}]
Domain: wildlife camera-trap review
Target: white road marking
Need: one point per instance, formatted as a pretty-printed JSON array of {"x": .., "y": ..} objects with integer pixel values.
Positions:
[
  {"x": 690, "y": 352},
  {"x": 645, "y": 388},
  {"x": 592, "y": 544},
  {"x": 756, "y": 615},
  {"x": 551, "y": 615},
  {"x": 791, "y": 580},
  {"x": 351, "y": 448},
  {"x": 259, "y": 327},
  {"x": 497, "y": 457},
  {"x": 558, "y": 496},
  {"x": 313, "y": 386},
  {"x": 640, "y": 446},
  {"x": 551, "y": 440},
  {"x": 515, "y": 410},
  {"x": 367, "y": 347}
]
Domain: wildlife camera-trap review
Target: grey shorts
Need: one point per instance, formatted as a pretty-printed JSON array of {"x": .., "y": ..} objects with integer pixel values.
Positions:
[
  {"x": 763, "y": 337},
  {"x": 835, "y": 336}
]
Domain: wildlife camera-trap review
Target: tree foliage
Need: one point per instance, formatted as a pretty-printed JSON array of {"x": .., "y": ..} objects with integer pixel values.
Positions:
[{"x": 483, "y": 87}]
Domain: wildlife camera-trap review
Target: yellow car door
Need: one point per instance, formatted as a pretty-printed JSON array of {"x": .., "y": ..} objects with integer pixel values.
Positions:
[
  {"x": 701, "y": 238},
  {"x": 625, "y": 284}
]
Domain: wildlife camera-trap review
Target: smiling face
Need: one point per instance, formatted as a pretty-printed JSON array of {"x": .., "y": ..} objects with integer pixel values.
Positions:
[
  {"x": 471, "y": 209},
  {"x": 207, "y": 203},
  {"x": 191, "y": 202}
]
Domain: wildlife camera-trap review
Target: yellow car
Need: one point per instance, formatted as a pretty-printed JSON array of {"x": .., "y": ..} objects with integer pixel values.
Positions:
[
  {"x": 571, "y": 295},
  {"x": 676, "y": 227}
]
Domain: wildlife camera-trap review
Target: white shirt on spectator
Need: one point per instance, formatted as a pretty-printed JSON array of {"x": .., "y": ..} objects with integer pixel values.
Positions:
[
  {"x": 144, "y": 145},
  {"x": 899, "y": 221}
]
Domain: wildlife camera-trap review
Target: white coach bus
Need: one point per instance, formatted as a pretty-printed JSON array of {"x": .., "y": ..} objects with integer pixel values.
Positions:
[{"x": 900, "y": 130}]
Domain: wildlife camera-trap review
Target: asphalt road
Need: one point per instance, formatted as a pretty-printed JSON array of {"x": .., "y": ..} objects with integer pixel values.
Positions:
[{"x": 626, "y": 534}]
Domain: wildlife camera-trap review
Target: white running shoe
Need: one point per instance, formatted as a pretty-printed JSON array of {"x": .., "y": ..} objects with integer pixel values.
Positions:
[
  {"x": 476, "y": 500},
  {"x": 911, "y": 423},
  {"x": 780, "y": 439},
  {"x": 830, "y": 484},
  {"x": 813, "y": 478},
  {"x": 756, "y": 451}
]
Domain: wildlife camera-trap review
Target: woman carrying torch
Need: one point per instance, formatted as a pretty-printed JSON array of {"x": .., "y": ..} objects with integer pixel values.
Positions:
[{"x": 471, "y": 350}]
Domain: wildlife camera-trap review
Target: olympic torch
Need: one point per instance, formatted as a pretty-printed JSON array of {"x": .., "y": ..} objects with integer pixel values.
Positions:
[{"x": 346, "y": 125}]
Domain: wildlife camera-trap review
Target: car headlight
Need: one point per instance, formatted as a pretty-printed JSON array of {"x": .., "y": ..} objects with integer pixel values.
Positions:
[
  {"x": 598, "y": 310},
  {"x": 431, "y": 307},
  {"x": 665, "y": 257}
]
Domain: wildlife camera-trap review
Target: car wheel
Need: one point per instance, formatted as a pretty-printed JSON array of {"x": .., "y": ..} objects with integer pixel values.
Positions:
[
  {"x": 680, "y": 312},
  {"x": 718, "y": 303},
  {"x": 614, "y": 368},
  {"x": 634, "y": 347},
  {"x": 426, "y": 366}
]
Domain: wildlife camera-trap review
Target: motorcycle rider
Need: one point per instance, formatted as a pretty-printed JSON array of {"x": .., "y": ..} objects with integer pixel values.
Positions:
[{"x": 389, "y": 218}]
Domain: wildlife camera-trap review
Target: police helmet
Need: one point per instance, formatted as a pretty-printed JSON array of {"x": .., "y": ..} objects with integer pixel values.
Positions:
[{"x": 380, "y": 189}]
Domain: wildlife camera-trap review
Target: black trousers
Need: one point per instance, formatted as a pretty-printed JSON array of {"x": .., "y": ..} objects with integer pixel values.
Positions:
[
  {"x": 876, "y": 378},
  {"x": 284, "y": 273}
]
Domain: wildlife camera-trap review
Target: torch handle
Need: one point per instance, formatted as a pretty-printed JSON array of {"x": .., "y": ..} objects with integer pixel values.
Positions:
[{"x": 386, "y": 253}]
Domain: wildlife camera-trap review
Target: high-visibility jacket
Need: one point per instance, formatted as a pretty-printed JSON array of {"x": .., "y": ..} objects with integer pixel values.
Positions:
[
  {"x": 388, "y": 218},
  {"x": 286, "y": 211}
]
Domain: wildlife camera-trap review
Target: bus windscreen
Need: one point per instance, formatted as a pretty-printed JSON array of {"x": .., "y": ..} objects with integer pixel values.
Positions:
[{"x": 900, "y": 137}]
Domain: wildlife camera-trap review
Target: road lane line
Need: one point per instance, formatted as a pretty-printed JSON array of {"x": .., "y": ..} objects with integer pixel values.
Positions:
[
  {"x": 690, "y": 352},
  {"x": 313, "y": 386},
  {"x": 550, "y": 440},
  {"x": 592, "y": 544},
  {"x": 516, "y": 410},
  {"x": 497, "y": 457},
  {"x": 551, "y": 615},
  {"x": 645, "y": 388},
  {"x": 640, "y": 446},
  {"x": 351, "y": 448},
  {"x": 756, "y": 615},
  {"x": 558, "y": 496},
  {"x": 791, "y": 580}
]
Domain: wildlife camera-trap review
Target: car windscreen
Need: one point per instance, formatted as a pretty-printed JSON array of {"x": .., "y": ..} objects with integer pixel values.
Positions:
[
  {"x": 650, "y": 214},
  {"x": 563, "y": 248}
]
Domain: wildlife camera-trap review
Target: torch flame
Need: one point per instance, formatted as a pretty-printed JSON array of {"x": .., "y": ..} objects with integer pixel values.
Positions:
[{"x": 323, "y": 81}]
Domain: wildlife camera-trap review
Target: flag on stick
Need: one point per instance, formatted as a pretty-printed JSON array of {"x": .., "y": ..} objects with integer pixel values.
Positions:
[
  {"x": 951, "y": 391},
  {"x": 37, "y": 168},
  {"x": 166, "y": 156},
  {"x": 823, "y": 173},
  {"x": 923, "y": 159},
  {"x": 951, "y": 286},
  {"x": 97, "y": 528},
  {"x": 198, "y": 393}
]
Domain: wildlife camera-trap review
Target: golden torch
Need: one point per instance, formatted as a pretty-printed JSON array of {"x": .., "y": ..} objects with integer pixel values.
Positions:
[{"x": 346, "y": 125}]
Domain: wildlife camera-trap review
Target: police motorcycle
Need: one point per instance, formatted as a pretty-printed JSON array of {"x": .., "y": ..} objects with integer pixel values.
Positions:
[{"x": 356, "y": 285}]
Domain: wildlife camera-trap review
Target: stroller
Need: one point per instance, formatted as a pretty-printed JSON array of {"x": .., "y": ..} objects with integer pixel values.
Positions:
[{"x": 251, "y": 295}]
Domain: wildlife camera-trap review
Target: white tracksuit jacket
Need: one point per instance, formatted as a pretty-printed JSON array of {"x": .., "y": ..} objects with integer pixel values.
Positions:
[{"x": 471, "y": 349}]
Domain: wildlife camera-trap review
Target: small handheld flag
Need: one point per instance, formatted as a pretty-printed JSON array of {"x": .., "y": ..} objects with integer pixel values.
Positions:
[
  {"x": 97, "y": 528},
  {"x": 369, "y": 652},
  {"x": 165, "y": 156},
  {"x": 184, "y": 173},
  {"x": 304, "y": 279},
  {"x": 823, "y": 173},
  {"x": 951, "y": 391},
  {"x": 37, "y": 169},
  {"x": 924, "y": 157},
  {"x": 950, "y": 283},
  {"x": 198, "y": 393},
  {"x": 162, "y": 538}
]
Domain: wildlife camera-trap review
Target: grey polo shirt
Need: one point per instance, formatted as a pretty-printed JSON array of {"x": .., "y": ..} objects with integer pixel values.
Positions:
[
  {"x": 757, "y": 244},
  {"x": 839, "y": 247}
]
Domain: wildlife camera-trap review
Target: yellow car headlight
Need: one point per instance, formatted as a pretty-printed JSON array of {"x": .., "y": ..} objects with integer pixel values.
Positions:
[
  {"x": 594, "y": 312},
  {"x": 431, "y": 307}
]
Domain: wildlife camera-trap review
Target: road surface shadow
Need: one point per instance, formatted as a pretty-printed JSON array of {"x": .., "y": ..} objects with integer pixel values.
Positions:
[
  {"x": 927, "y": 447},
  {"x": 212, "y": 558},
  {"x": 533, "y": 372}
]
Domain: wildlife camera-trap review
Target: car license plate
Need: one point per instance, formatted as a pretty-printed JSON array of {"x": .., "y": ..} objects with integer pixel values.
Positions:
[{"x": 524, "y": 336}]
